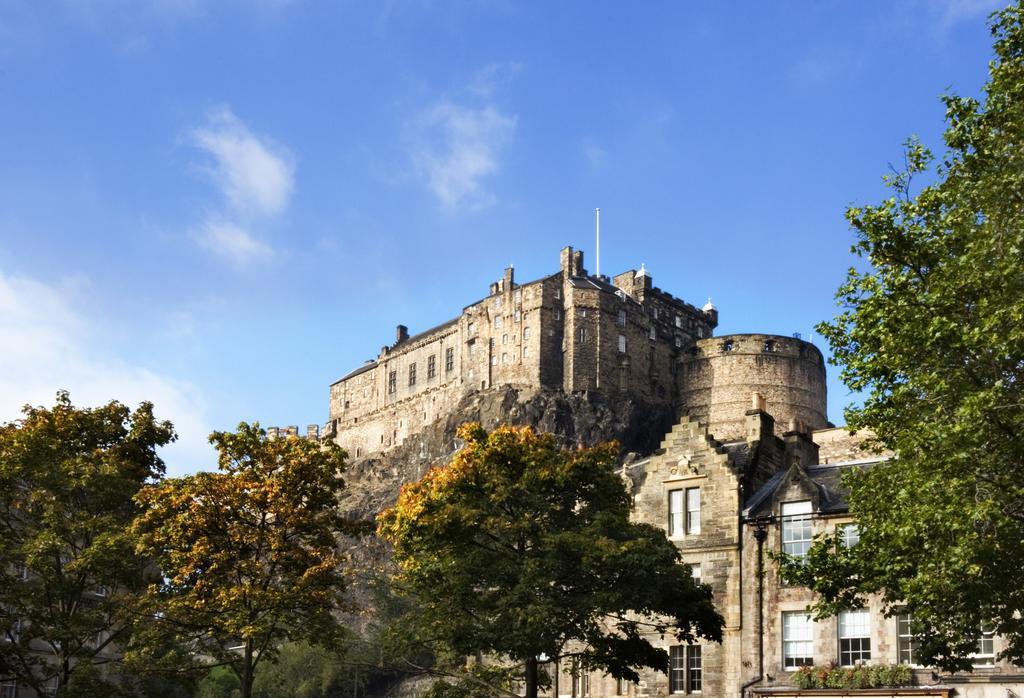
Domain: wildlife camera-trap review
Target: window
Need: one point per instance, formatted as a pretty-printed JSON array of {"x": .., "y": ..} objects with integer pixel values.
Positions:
[
  {"x": 518, "y": 316},
  {"x": 558, "y": 314},
  {"x": 727, "y": 345},
  {"x": 392, "y": 381},
  {"x": 504, "y": 357},
  {"x": 526, "y": 333},
  {"x": 504, "y": 339},
  {"x": 9, "y": 689},
  {"x": 984, "y": 654},
  {"x": 412, "y": 375},
  {"x": 518, "y": 295},
  {"x": 907, "y": 645},
  {"x": 526, "y": 352},
  {"x": 13, "y": 632},
  {"x": 621, "y": 687},
  {"x": 582, "y": 312},
  {"x": 796, "y": 528},
  {"x": 675, "y": 512},
  {"x": 621, "y": 318},
  {"x": 431, "y": 366},
  {"x": 471, "y": 329},
  {"x": 494, "y": 359},
  {"x": 684, "y": 511},
  {"x": 653, "y": 333},
  {"x": 693, "y": 510},
  {"x": 679, "y": 321},
  {"x": 797, "y": 640},
  {"x": 684, "y": 672},
  {"x": 582, "y": 334},
  {"x": 470, "y": 347},
  {"x": 622, "y": 344},
  {"x": 558, "y": 292},
  {"x": 497, "y": 321},
  {"x": 854, "y": 637},
  {"x": 679, "y": 342},
  {"x": 580, "y": 683},
  {"x": 769, "y": 346},
  {"x": 849, "y": 535},
  {"x": 101, "y": 590},
  {"x": 50, "y": 687},
  {"x": 449, "y": 359},
  {"x": 20, "y": 571},
  {"x": 695, "y": 572}
]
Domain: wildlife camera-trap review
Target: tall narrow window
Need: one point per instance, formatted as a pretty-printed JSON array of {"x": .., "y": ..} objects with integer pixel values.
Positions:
[
  {"x": 449, "y": 359},
  {"x": 582, "y": 334},
  {"x": 796, "y": 528},
  {"x": 854, "y": 637},
  {"x": 9, "y": 689},
  {"x": 675, "y": 512},
  {"x": 431, "y": 366},
  {"x": 984, "y": 653},
  {"x": 653, "y": 333},
  {"x": 497, "y": 321},
  {"x": 621, "y": 318},
  {"x": 907, "y": 645},
  {"x": 695, "y": 572},
  {"x": 797, "y": 640},
  {"x": 526, "y": 333},
  {"x": 679, "y": 321},
  {"x": 622, "y": 344},
  {"x": 392, "y": 381},
  {"x": 693, "y": 510},
  {"x": 621, "y": 687},
  {"x": 412, "y": 375}
]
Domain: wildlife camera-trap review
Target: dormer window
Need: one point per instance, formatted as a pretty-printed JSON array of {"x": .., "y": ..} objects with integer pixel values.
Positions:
[{"x": 796, "y": 528}]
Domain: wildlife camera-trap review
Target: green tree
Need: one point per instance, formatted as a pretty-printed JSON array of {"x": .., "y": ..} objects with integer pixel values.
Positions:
[
  {"x": 70, "y": 576},
  {"x": 250, "y": 553},
  {"x": 526, "y": 551},
  {"x": 933, "y": 333}
]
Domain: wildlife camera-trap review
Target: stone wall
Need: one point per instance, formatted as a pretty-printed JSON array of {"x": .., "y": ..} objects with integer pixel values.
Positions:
[{"x": 717, "y": 377}]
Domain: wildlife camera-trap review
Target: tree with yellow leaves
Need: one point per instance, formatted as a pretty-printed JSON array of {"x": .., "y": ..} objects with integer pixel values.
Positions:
[
  {"x": 524, "y": 550},
  {"x": 249, "y": 554}
]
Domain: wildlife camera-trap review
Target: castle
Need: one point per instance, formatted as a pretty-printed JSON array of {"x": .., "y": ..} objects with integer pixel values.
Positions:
[{"x": 575, "y": 332}]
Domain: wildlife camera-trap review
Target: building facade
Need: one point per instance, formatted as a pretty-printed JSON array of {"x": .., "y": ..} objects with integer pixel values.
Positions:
[
  {"x": 574, "y": 332},
  {"x": 727, "y": 505}
]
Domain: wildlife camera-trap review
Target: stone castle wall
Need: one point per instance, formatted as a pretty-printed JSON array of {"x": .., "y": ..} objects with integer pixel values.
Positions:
[
  {"x": 717, "y": 377},
  {"x": 568, "y": 332}
]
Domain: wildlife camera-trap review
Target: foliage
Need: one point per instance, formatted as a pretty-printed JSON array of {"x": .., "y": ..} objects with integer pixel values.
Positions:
[
  {"x": 249, "y": 553},
  {"x": 520, "y": 549},
  {"x": 69, "y": 570},
  {"x": 866, "y": 676},
  {"x": 933, "y": 331}
]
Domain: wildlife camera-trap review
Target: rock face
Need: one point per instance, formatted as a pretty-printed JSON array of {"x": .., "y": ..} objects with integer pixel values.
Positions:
[{"x": 584, "y": 418}]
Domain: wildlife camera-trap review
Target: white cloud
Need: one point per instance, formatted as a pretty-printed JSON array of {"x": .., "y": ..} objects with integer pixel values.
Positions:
[
  {"x": 46, "y": 349},
  {"x": 232, "y": 242},
  {"x": 460, "y": 150},
  {"x": 952, "y": 12},
  {"x": 255, "y": 175}
]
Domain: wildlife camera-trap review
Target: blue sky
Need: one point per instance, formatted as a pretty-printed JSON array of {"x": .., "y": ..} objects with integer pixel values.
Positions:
[{"x": 224, "y": 206}]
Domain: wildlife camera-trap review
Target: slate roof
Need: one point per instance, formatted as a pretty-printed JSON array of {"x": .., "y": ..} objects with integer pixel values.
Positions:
[{"x": 827, "y": 480}]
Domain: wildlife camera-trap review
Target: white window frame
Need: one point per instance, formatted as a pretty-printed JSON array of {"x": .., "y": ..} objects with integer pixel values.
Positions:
[
  {"x": 854, "y": 637},
  {"x": 622, "y": 344},
  {"x": 9, "y": 688},
  {"x": 676, "y": 512},
  {"x": 797, "y": 640},
  {"x": 985, "y": 652},
  {"x": 692, "y": 521},
  {"x": 849, "y": 534},
  {"x": 907, "y": 644},
  {"x": 695, "y": 572},
  {"x": 796, "y": 529}
]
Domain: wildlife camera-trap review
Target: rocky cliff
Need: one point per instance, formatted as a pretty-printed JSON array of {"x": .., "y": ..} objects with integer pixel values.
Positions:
[{"x": 576, "y": 418}]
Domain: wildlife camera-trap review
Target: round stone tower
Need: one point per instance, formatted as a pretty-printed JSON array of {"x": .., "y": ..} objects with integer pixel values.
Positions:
[{"x": 719, "y": 375}]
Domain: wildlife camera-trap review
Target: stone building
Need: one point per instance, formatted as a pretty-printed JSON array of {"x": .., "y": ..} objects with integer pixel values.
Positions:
[
  {"x": 752, "y": 464},
  {"x": 575, "y": 333},
  {"x": 726, "y": 503}
]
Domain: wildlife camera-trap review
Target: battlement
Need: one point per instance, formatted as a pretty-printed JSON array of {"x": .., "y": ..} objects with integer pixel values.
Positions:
[{"x": 312, "y": 432}]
